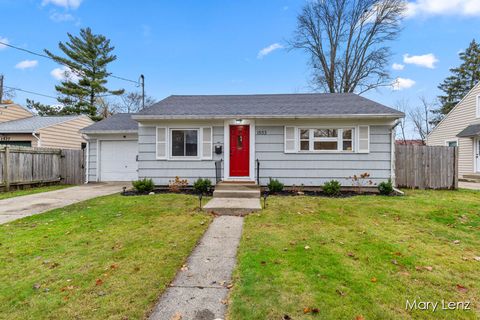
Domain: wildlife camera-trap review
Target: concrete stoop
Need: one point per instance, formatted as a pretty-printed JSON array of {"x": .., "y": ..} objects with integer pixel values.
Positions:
[
  {"x": 470, "y": 178},
  {"x": 234, "y": 199}
]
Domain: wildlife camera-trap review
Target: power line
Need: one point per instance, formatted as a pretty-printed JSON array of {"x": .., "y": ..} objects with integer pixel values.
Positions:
[
  {"x": 31, "y": 92},
  {"x": 48, "y": 57},
  {"x": 46, "y": 95}
]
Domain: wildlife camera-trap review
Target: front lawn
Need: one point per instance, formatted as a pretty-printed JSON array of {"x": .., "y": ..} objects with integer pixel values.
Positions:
[
  {"x": 24, "y": 192},
  {"x": 106, "y": 258},
  {"x": 359, "y": 258}
]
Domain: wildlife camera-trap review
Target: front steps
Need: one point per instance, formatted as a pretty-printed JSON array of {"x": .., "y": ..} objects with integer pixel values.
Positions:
[{"x": 234, "y": 198}]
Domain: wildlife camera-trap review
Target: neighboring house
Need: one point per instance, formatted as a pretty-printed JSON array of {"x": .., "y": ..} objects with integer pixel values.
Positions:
[
  {"x": 9, "y": 112},
  {"x": 46, "y": 132},
  {"x": 461, "y": 128},
  {"x": 297, "y": 138},
  {"x": 413, "y": 142}
]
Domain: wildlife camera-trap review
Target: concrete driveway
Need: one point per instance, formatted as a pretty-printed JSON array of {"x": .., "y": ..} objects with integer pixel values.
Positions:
[
  {"x": 469, "y": 185},
  {"x": 24, "y": 206}
]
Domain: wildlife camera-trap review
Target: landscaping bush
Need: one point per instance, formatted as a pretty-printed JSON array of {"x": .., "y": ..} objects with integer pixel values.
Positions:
[
  {"x": 143, "y": 185},
  {"x": 202, "y": 186},
  {"x": 386, "y": 188},
  {"x": 332, "y": 188},
  {"x": 177, "y": 184},
  {"x": 275, "y": 186}
]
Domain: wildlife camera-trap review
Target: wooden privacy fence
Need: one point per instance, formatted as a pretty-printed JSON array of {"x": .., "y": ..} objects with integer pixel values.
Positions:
[
  {"x": 426, "y": 167},
  {"x": 31, "y": 166}
]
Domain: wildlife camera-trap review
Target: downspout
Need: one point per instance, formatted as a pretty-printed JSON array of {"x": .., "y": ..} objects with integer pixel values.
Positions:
[
  {"x": 392, "y": 152},
  {"x": 87, "y": 158},
  {"x": 39, "y": 143}
]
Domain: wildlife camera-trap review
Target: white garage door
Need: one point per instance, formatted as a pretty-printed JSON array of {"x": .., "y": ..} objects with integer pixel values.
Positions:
[{"x": 118, "y": 160}]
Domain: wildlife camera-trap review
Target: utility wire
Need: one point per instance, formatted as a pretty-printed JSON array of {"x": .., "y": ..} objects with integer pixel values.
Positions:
[
  {"x": 45, "y": 56},
  {"x": 46, "y": 95},
  {"x": 31, "y": 92}
]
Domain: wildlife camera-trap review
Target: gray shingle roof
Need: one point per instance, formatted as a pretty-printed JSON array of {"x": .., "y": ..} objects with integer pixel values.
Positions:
[
  {"x": 32, "y": 124},
  {"x": 265, "y": 105},
  {"x": 470, "y": 131},
  {"x": 117, "y": 122}
]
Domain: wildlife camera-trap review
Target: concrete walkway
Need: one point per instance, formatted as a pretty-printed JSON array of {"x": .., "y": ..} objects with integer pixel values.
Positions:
[
  {"x": 24, "y": 206},
  {"x": 469, "y": 185},
  {"x": 201, "y": 286}
]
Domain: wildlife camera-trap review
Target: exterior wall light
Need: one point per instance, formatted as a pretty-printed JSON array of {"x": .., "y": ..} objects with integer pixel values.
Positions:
[{"x": 238, "y": 121}]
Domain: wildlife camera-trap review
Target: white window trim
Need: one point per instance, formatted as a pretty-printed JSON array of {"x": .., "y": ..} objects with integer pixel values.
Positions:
[
  {"x": 477, "y": 106},
  {"x": 338, "y": 139},
  {"x": 358, "y": 139},
  {"x": 199, "y": 144},
  {"x": 210, "y": 156},
  {"x": 295, "y": 139},
  {"x": 451, "y": 140},
  {"x": 168, "y": 144}
]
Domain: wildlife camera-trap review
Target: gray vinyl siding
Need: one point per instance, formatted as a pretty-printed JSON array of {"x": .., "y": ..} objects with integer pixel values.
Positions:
[
  {"x": 162, "y": 171},
  {"x": 314, "y": 169},
  {"x": 92, "y": 160}
]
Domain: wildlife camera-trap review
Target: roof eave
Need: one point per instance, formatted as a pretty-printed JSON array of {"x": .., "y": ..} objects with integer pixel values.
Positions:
[
  {"x": 107, "y": 131},
  {"x": 327, "y": 116}
]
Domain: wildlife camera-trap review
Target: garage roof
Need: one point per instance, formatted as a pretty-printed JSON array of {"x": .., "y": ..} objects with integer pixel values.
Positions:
[
  {"x": 120, "y": 122},
  {"x": 32, "y": 124},
  {"x": 266, "y": 106}
]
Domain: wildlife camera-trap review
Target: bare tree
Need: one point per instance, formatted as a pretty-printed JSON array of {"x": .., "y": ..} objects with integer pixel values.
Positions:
[
  {"x": 402, "y": 105},
  {"x": 346, "y": 42},
  {"x": 420, "y": 117},
  {"x": 132, "y": 102}
]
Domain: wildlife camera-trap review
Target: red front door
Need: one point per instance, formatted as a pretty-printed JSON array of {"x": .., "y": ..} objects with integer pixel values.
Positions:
[{"x": 239, "y": 151}]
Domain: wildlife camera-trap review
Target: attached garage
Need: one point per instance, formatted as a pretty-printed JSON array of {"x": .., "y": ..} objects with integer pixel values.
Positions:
[
  {"x": 112, "y": 150},
  {"x": 118, "y": 160}
]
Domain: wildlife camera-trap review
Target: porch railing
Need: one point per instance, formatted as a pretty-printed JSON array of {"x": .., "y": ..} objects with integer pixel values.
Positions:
[
  {"x": 218, "y": 170},
  {"x": 258, "y": 171}
]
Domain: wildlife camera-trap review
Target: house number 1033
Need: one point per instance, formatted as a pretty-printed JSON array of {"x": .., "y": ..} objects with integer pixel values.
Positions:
[{"x": 261, "y": 132}]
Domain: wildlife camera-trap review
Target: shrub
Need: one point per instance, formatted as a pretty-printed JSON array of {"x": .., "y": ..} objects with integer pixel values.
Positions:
[
  {"x": 143, "y": 185},
  {"x": 202, "y": 186},
  {"x": 177, "y": 184},
  {"x": 386, "y": 187},
  {"x": 275, "y": 186},
  {"x": 332, "y": 188}
]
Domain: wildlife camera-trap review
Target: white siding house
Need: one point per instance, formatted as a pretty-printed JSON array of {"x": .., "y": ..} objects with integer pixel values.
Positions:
[
  {"x": 300, "y": 139},
  {"x": 461, "y": 127}
]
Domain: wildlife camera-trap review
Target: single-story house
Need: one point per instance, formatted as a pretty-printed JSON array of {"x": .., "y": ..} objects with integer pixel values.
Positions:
[
  {"x": 300, "y": 139},
  {"x": 9, "y": 112},
  {"x": 46, "y": 132},
  {"x": 461, "y": 128}
]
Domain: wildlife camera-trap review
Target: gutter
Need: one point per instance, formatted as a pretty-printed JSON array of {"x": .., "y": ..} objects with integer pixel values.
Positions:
[
  {"x": 326, "y": 116},
  {"x": 392, "y": 152},
  {"x": 39, "y": 143}
]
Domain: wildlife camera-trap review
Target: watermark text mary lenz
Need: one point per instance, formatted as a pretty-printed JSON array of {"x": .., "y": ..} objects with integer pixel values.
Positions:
[{"x": 437, "y": 305}]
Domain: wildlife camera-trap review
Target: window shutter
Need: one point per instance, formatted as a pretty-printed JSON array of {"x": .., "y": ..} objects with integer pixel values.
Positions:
[
  {"x": 363, "y": 139},
  {"x": 207, "y": 143},
  {"x": 290, "y": 141},
  {"x": 161, "y": 143}
]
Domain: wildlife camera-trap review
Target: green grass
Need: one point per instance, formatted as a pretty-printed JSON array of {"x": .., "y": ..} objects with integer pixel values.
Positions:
[
  {"x": 106, "y": 258},
  {"x": 17, "y": 193},
  {"x": 367, "y": 255}
]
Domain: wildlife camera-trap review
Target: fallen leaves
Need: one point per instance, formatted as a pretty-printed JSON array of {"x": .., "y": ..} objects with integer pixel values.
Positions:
[
  {"x": 307, "y": 247},
  {"x": 177, "y": 316},
  {"x": 373, "y": 279},
  {"x": 360, "y": 317},
  {"x": 98, "y": 282},
  {"x": 184, "y": 268},
  {"x": 456, "y": 242},
  {"x": 311, "y": 310},
  {"x": 421, "y": 268},
  {"x": 461, "y": 288}
]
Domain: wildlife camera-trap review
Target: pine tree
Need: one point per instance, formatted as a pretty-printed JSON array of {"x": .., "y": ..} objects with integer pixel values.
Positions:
[
  {"x": 44, "y": 109},
  {"x": 87, "y": 57},
  {"x": 462, "y": 80}
]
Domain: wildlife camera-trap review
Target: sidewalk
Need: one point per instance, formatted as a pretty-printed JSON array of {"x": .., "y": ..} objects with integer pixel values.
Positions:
[{"x": 201, "y": 286}]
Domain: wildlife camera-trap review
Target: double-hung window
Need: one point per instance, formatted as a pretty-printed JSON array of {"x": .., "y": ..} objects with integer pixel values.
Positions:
[
  {"x": 326, "y": 139},
  {"x": 184, "y": 142}
]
